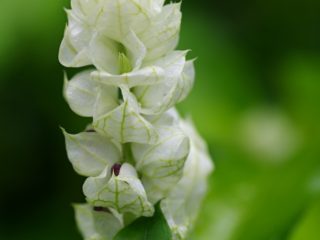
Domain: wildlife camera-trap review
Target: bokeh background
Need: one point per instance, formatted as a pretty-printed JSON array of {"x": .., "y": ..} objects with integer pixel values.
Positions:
[{"x": 256, "y": 101}]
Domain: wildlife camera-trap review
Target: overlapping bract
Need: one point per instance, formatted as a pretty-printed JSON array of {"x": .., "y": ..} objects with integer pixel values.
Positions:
[
  {"x": 137, "y": 151},
  {"x": 183, "y": 202},
  {"x": 98, "y": 30},
  {"x": 149, "y": 91},
  {"x": 97, "y": 225},
  {"x": 123, "y": 192}
]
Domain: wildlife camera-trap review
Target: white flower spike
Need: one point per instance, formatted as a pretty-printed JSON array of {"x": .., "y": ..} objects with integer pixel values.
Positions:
[{"x": 137, "y": 151}]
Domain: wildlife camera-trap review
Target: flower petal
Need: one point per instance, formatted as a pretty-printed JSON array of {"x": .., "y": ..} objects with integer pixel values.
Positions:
[
  {"x": 90, "y": 152},
  {"x": 124, "y": 192},
  {"x": 95, "y": 225},
  {"x": 187, "y": 80},
  {"x": 163, "y": 34},
  {"x": 135, "y": 49},
  {"x": 158, "y": 98},
  {"x": 87, "y": 10},
  {"x": 183, "y": 203},
  {"x": 81, "y": 93},
  {"x": 155, "y": 6},
  {"x": 70, "y": 55},
  {"x": 144, "y": 76},
  {"x": 118, "y": 17},
  {"x": 124, "y": 123},
  {"x": 104, "y": 53},
  {"x": 168, "y": 118},
  {"x": 161, "y": 165},
  {"x": 107, "y": 100}
]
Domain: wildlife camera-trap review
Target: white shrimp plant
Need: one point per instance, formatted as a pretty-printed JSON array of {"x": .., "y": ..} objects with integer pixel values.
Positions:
[{"x": 138, "y": 155}]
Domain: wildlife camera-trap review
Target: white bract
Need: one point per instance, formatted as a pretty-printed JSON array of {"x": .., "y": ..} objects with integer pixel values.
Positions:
[
  {"x": 96, "y": 95},
  {"x": 90, "y": 153},
  {"x": 137, "y": 151},
  {"x": 98, "y": 31},
  {"x": 182, "y": 205},
  {"x": 123, "y": 122},
  {"x": 121, "y": 191},
  {"x": 97, "y": 225},
  {"x": 161, "y": 164}
]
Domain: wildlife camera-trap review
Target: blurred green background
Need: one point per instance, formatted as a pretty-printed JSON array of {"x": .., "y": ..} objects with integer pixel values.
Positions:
[{"x": 256, "y": 101}]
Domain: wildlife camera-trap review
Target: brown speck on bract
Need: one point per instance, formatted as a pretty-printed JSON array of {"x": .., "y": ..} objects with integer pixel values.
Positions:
[
  {"x": 116, "y": 169},
  {"x": 101, "y": 209}
]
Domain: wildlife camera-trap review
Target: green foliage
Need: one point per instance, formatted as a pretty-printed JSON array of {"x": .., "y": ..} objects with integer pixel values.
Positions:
[
  {"x": 152, "y": 228},
  {"x": 308, "y": 227}
]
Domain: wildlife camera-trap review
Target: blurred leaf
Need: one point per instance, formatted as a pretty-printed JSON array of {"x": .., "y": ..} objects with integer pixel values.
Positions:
[
  {"x": 308, "y": 228},
  {"x": 225, "y": 82},
  {"x": 154, "y": 228},
  {"x": 299, "y": 80},
  {"x": 248, "y": 202}
]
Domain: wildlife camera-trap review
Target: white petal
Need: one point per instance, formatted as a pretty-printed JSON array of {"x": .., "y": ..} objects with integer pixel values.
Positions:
[
  {"x": 81, "y": 93},
  {"x": 158, "y": 3},
  {"x": 125, "y": 124},
  {"x": 87, "y": 9},
  {"x": 69, "y": 55},
  {"x": 160, "y": 97},
  {"x": 161, "y": 165},
  {"x": 187, "y": 80},
  {"x": 107, "y": 100},
  {"x": 155, "y": 6},
  {"x": 183, "y": 203},
  {"x": 104, "y": 53},
  {"x": 124, "y": 192},
  {"x": 135, "y": 49},
  {"x": 119, "y": 16},
  {"x": 168, "y": 118},
  {"x": 139, "y": 25},
  {"x": 163, "y": 34},
  {"x": 90, "y": 152},
  {"x": 95, "y": 225},
  {"x": 172, "y": 63},
  {"x": 80, "y": 33},
  {"x": 171, "y": 66},
  {"x": 144, "y": 76}
]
